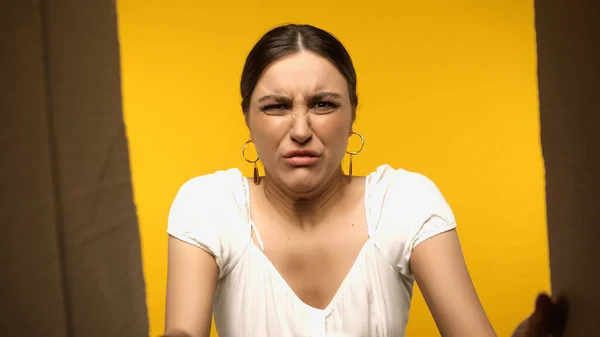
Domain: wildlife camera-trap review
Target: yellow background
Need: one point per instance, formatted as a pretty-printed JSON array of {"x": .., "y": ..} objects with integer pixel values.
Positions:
[{"x": 446, "y": 88}]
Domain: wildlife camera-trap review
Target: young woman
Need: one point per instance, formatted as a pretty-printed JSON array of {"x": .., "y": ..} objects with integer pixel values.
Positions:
[{"x": 306, "y": 250}]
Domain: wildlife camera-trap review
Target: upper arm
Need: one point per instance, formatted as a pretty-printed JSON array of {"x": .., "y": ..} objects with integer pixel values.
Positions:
[
  {"x": 191, "y": 282},
  {"x": 196, "y": 255},
  {"x": 440, "y": 270},
  {"x": 417, "y": 232}
]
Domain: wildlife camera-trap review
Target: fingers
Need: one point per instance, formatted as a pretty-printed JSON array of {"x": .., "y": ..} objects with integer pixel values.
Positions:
[
  {"x": 549, "y": 317},
  {"x": 539, "y": 321},
  {"x": 559, "y": 316}
]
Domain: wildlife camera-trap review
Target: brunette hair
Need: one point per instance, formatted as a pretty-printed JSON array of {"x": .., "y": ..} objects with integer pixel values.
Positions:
[{"x": 290, "y": 39}]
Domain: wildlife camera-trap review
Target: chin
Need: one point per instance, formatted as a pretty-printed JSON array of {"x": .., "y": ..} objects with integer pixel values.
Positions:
[{"x": 302, "y": 181}]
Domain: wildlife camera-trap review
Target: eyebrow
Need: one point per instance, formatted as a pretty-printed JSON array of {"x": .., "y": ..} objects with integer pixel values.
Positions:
[
  {"x": 324, "y": 94},
  {"x": 317, "y": 96},
  {"x": 277, "y": 98}
]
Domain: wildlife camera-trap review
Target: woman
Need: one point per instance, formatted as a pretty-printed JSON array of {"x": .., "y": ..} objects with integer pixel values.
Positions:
[{"x": 306, "y": 250}]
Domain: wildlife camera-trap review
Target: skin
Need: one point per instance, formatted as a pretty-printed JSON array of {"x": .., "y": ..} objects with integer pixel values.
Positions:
[{"x": 312, "y": 219}]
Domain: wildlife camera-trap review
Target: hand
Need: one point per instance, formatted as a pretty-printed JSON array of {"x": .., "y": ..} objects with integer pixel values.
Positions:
[{"x": 548, "y": 319}]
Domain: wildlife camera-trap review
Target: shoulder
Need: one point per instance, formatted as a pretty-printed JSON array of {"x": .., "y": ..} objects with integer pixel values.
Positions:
[
  {"x": 387, "y": 174},
  {"x": 213, "y": 183},
  {"x": 397, "y": 187},
  {"x": 209, "y": 212},
  {"x": 221, "y": 188},
  {"x": 205, "y": 197},
  {"x": 405, "y": 208}
]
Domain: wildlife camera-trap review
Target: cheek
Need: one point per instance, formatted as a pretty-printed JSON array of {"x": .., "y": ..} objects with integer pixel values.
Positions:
[
  {"x": 334, "y": 133},
  {"x": 266, "y": 132}
]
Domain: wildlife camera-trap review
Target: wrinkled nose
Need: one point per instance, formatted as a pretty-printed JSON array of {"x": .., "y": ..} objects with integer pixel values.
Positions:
[{"x": 301, "y": 131}]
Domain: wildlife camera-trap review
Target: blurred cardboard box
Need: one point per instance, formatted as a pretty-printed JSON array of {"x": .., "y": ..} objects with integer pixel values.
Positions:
[
  {"x": 568, "y": 40},
  {"x": 69, "y": 248}
]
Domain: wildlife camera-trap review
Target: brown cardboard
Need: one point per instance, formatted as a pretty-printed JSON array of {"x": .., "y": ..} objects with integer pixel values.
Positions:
[
  {"x": 568, "y": 37},
  {"x": 30, "y": 259},
  {"x": 69, "y": 247},
  {"x": 70, "y": 251}
]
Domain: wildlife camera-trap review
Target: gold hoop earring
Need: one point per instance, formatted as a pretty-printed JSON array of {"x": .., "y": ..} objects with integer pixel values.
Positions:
[
  {"x": 256, "y": 175},
  {"x": 354, "y": 153}
]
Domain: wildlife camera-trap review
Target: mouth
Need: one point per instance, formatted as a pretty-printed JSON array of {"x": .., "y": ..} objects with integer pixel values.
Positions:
[
  {"x": 301, "y": 153},
  {"x": 301, "y": 158}
]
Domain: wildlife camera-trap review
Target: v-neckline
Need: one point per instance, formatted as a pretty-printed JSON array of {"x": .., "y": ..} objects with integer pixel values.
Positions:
[{"x": 327, "y": 310}]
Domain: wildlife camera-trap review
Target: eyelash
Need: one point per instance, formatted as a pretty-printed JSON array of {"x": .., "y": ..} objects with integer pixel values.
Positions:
[
  {"x": 273, "y": 107},
  {"x": 328, "y": 105}
]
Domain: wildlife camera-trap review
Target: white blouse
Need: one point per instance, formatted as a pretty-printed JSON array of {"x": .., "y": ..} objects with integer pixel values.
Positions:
[{"x": 252, "y": 299}]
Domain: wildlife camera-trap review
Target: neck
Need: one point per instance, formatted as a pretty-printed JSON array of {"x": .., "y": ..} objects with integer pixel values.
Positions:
[{"x": 306, "y": 209}]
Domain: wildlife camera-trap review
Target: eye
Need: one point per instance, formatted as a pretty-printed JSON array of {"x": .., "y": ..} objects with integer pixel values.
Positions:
[
  {"x": 325, "y": 106},
  {"x": 274, "y": 109}
]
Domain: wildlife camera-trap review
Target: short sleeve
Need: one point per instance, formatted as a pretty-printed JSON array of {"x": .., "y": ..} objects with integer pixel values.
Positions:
[
  {"x": 412, "y": 210},
  {"x": 439, "y": 215},
  {"x": 202, "y": 215}
]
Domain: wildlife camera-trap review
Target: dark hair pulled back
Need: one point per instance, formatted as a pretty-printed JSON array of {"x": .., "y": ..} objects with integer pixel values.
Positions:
[{"x": 290, "y": 39}]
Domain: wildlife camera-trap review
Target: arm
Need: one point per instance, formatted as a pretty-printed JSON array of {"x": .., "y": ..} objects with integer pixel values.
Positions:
[
  {"x": 441, "y": 273},
  {"x": 191, "y": 283}
]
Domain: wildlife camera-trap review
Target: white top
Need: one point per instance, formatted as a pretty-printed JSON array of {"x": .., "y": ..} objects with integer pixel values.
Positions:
[{"x": 252, "y": 299}]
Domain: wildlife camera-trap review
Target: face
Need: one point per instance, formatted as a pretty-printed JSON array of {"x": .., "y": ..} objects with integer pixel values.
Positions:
[{"x": 300, "y": 119}]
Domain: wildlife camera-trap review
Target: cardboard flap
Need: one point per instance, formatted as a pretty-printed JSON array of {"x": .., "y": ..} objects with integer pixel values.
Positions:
[{"x": 71, "y": 251}]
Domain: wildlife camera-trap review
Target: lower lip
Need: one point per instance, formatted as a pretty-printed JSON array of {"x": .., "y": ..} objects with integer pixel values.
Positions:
[{"x": 301, "y": 161}]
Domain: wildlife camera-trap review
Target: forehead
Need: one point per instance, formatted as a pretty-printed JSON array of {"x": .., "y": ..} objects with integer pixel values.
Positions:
[{"x": 301, "y": 73}]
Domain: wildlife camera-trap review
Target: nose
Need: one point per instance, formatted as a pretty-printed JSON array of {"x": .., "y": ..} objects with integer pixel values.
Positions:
[{"x": 301, "y": 131}]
